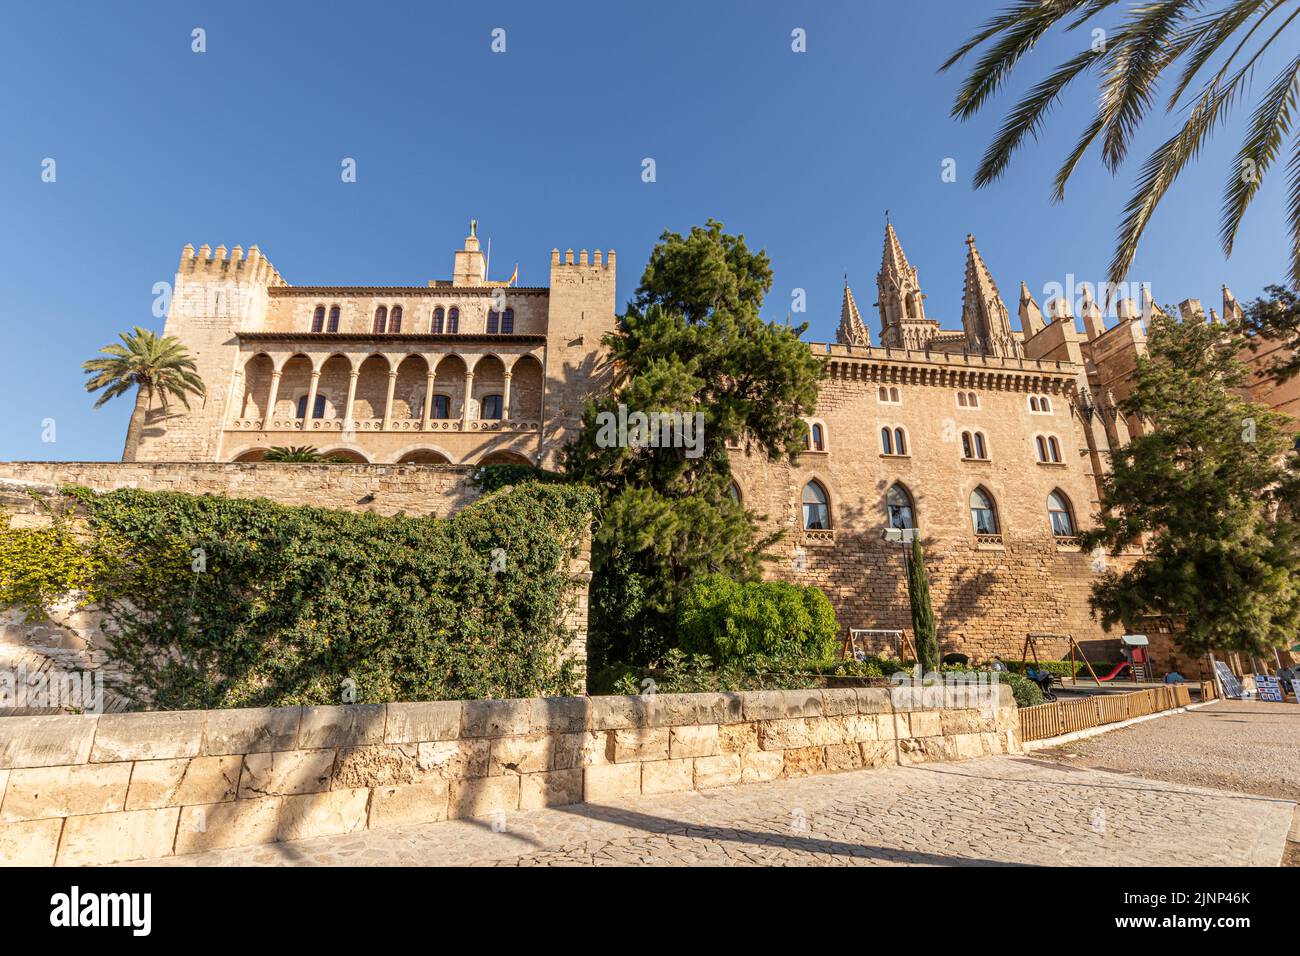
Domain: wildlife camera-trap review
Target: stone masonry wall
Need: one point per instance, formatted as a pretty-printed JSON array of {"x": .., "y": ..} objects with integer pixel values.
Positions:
[{"x": 86, "y": 790}]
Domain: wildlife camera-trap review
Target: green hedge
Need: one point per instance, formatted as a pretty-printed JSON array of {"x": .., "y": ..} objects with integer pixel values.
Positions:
[
  {"x": 734, "y": 622},
  {"x": 223, "y": 602}
]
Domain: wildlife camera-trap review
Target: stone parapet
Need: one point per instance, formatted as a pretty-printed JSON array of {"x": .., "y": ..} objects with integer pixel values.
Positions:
[{"x": 89, "y": 790}]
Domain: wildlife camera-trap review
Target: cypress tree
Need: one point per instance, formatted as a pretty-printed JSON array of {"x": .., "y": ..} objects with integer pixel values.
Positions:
[{"x": 918, "y": 592}]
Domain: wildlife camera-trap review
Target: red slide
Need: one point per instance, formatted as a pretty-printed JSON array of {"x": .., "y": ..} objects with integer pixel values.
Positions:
[{"x": 1118, "y": 667}]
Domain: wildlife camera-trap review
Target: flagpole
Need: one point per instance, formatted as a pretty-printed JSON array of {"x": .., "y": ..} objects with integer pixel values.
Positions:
[{"x": 487, "y": 266}]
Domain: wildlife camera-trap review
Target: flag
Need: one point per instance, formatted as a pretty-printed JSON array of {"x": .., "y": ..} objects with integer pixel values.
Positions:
[{"x": 515, "y": 277}]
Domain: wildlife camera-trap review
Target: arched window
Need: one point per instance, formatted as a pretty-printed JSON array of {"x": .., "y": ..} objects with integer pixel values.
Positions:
[
  {"x": 961, "y": 399},
  {"x": 883, "y": 394},
  {"x": 453, "y": 321},
  {"x": 981, "y": 452},
  {"x": 1041, "y": 446},
  {"x": 395, "y": 319},
  {"x": 967, "y": 448},
  {"x": 898, "y": 506},
  {"x": 1054, "y": 447},
  {"x": 733, "y": 491},
  {"x": 900, "y": 442},
  {"x": 494, "y": 322},
  {"x": 816, "y": 513},
  {"x": 334, "y": 319},
  {"x": 491, "y": 407},
  {"x": 1033, "y": 403},
  {"x": 983, "y": 515},
  {"x": 1045, "y": 404},
  {"x": 894, "y": 396},
  {"x": 317, "y": 412},
  {"x": 508, "y": 322},
  {"x": 972, "y": 400},
  {"x": 381, "y": 320},
  {"x": 818, "y": 439},
  {"x": 439, "y": 317},
  {"x": 1058, "y": 510},
  {"x": 886, "y": 441},
  {"x": 441, "y": 406},
  {"x": 318, "y": 319}
]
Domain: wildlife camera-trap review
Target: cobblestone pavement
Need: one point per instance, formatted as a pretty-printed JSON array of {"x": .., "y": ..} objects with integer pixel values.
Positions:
[{"x": 996, "y": 810}]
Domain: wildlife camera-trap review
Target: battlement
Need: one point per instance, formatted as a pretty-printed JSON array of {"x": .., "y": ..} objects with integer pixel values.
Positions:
[
  {"x": 593, "y": 264},
  {"x": 939, "y": 358},
  {"x": 220, "y": 264}
]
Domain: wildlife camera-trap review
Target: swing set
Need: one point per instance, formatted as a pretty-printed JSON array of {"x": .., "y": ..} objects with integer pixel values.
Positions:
[
  {"x": 1031, "y": 647},
  {"x": 855, "y": 641}
]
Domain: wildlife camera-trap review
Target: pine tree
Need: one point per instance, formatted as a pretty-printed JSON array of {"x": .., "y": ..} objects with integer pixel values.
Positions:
[{"x": 918, "y": 593}]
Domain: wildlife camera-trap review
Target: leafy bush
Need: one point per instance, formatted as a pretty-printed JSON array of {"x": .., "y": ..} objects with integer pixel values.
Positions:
[
  {"x": 1058, "y": 668},
  {"x": 489, "y": 478},
  {"x": 1027, "y": 693},
  {"x": 222, "y": 602},
  {"x": 734, "y": 622}
]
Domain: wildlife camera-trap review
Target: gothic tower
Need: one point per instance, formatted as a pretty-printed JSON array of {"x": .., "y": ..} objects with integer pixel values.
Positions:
[
  {"x": 903, "y": 324},
  {"x": 984, "y": 315},
  {"x": 852, "y": 330}
]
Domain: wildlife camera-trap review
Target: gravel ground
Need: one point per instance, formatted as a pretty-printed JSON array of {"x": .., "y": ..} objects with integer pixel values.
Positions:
[{"x": 1243, "y": 746}]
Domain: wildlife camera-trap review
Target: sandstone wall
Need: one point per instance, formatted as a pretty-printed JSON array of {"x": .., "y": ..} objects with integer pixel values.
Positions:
[{"x": 79, "y": 790}]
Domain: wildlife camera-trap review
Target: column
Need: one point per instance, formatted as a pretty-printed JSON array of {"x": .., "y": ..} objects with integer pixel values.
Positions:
[
  {"x": 388, "y": 402},
  {"x": 469, "y": 392},
  {"x": 505, "y": 398},
  {"x": 272, "y": 398},
  {"x": 352, "y": 394},
  {"x": 428, "y": 399},
  {"x": 310, "y": 410}
]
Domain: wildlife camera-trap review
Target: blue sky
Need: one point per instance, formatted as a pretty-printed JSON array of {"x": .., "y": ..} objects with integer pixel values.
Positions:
[{"x": 157, "y": 146}]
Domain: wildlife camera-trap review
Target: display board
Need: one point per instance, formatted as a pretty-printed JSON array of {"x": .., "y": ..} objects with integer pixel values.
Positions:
[
  {"x": 1268, "y": 688},
  {"x": 1228, "y": 680}
]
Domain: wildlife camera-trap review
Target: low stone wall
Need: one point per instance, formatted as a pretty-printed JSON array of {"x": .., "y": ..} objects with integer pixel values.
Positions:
[{"x": 80, "y": 790}]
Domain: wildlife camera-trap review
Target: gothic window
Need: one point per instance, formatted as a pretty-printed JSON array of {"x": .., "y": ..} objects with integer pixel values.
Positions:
[
  {"x": 894, "y": 396},
  {"x": 984, "y": 516},
  {"x": 972, "y": 400},
  {"x": 900, "y": 442},
  {"x": 1040, "y": 404},
  {"x": 816, "y": 512},
  {"x": 491, "y": 407},
  {"x": 981, "y": 452},
  {"x": 494, "y": 322},
  {"x": 441, "y": 406},
  {"x": 1054, "y": 447},
  {"x": 435, "y": 326},
  {"x": 381, "y": 320},
  {"x": 889, "y": 395},
  {"x": 395, "y": 319},
  {"x": 453, "y": 321},
  {"x": 317, "y": 412},
  {"x": 1058, "y": 510},
  {"x": 334, "y": 319},
  {"x": 882, "y": 394},
  {"x": 508, "y": 322},
  {"x": 1041, "y": 445},
  {"x": 898, "y": 505},
  {"x": 967, "y": 448},
  {"x": 733, "y": 490},
  {"x": 318, "y": 319},
  {"x": 818, "y": 439},
  {"x": 1045, "y": 404},
  {"x": 961, "y": 399},
  {"x": 886, "y": 441},
  {"x": 1033, "y": 403}
]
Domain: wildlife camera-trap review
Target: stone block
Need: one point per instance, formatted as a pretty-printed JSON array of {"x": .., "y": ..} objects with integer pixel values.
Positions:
[
  {"x": 384, "y": 765},
  {"x": 559, "y": 715},
  {"x": 763, "y": 705},
  {"x": 220, "y": 825},
  {"x": 878, "y": 753},
  {"x": 804, "y": 761},
  {"x": 760, "y": 766},
  {"x": 837, "y": 702},
  {"x": 635, "y": 745},
  {"x": 115, "y": 837},
  {"x": 611, "y": 782},
  {"x": 858, "y": 727},
  {"x": 873, "y": 700},
  {"x": 968, "y": 746},
  {"x": 148, "y": 736},
  {"x": 287, "y": 772},
  {"x": 570, "y": 750},
  {"x": 802, "y": 703},
  {"x": 252, "y": 730},
  {"x": 411, "y": 804},
  {"x": 345, "y": 725},
  {"x": 45, "y": 741},
  {"x": 962, "y": 722},
  {"x": 738, "y": 738},
  {"x": 677, "y": 710},
  {"x": 701, "y": 741},
  {"x": 495, "y": 718},
  {"x": 323, "y": 814},
  {"x": 667, "y": 776},
  {"x": 840, "y": 757},
  {"x": 520, "y": 754},
  {"x": 720, "y": 771},
  {"x": 455, "y": 759},
  {"x": 890, "y": 726},
  {"x": 925, "y": 723},
  {"x": 31, "y": 842},
  {"x": 555, "y": 788},
  {"x": 183, "y": 783},
  {"x": 39, "y": 792},
  {"x": 411, "y": 723},
  {"x": 619, "y": 713},
  {"x": 484, "y": 795}
]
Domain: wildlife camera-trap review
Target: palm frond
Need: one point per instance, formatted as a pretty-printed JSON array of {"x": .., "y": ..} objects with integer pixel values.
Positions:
[
  {"x": 1293, "y": 212},
  {"x": 1208, "y": 34},
  {"x": 1067, "y": 168}
]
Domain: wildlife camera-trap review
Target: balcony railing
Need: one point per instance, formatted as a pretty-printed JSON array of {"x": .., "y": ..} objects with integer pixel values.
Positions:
[{"x": 325, "y": 425}]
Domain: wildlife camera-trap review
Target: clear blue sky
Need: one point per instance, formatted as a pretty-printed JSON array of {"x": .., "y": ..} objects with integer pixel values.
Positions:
[{"x": 157, "y": 146}]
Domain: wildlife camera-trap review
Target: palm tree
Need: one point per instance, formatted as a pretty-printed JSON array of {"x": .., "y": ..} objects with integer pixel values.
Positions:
[
  {"x": 1218, "y": 41},
  {"x": 153, "y": 365},
  {"x": 298, "y": 453}
]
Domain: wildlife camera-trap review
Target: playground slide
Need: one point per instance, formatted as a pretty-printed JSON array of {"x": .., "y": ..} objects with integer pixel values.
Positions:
[{"x": 1118, "y": 667}]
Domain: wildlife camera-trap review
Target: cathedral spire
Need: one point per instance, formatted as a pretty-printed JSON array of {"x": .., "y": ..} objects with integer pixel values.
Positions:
[
  {"x": 852, "y": 330},
  {"x": 1031, "y": 316},
  {"x": 901, "y": 303},
  {"x": 984, "y": 315},
  {"x": 1231, "y": 309}
]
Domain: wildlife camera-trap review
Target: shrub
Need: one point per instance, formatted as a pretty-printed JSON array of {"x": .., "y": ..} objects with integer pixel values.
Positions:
[
  {"x": 222, "y": 602},
  {"x": 1027, "y": 693},
  {"x": 733, "y": 622}
]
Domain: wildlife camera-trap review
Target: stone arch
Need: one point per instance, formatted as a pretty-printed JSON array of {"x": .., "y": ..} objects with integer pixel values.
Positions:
[
  {"x": 449, "y": 380},
  {"x": 489, "y": 379},
  {"x": 408, "y": 395},
  {"x": 372, "y": 388},
  {"x": 335, "y": 374},
  {"x": 526, "y": 386},
  {"x": 351, "y": 452},
  {"x": 256, "y": 374},
  {"x": 504, "y": 457},
  {"x": 251, "y": 453},
  {"x": 423, "y": 456},
  {"x": 295, "y": 380}
]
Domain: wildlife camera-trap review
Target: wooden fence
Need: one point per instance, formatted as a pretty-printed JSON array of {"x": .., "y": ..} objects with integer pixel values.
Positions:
[{"x": 1067, "y": 716}]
